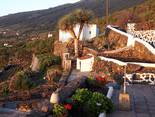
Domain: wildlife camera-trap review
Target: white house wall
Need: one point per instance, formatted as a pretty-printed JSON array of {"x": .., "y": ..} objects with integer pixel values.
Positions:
[
  {"x": 64, "y": 36},
  {"x": 89, "y": 31},
  {"x": 85, "y": 65},
  {"x": 78, "y": 64}
]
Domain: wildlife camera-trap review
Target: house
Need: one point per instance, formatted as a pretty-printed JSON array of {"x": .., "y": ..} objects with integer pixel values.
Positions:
[
  {"x": 7, "y": 45},
  {"x": 85, "y": 63},
  {"x": 89, "y": 31},
  {"x": 50, "y": 35}
]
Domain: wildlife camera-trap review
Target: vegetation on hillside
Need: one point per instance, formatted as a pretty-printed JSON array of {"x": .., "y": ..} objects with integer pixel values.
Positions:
[
  {"x": 23, "y": 82},
  {"x": 142, "y": 14},
  {"x": 46, "y": 20},
  {"x": 21, "y": 52},
  {"x": 46, "y": 60}
]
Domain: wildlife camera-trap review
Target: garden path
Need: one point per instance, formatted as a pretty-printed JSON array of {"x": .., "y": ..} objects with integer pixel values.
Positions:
[
  {"x": 76, "y": 74},
  {"x": 11, "y": 113},
  {"x": 142, "y": 101}
]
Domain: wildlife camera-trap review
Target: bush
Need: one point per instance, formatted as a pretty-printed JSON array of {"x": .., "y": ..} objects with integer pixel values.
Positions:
[
  {"x": 23, "y": 82},
  {"x": 92, "y": 103},
  {"x": 5, "y": 90},
  {"x": 47, "y": 60},
  {"x": 59, "y": 110},
  {"x": 54, "y": 73},
  {"x": 4, "y": 57},
  {"x": 40, "y": 46},
  {"x": 97, "y": 81},
  {"x": 91, "y": 81},
  {"x": 82, "y": 95},
  {"x": 98, "y": 103}
]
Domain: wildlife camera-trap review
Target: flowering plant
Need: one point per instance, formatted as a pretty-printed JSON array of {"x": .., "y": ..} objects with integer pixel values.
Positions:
[
  {"x": 99, "y": 78},
  {"x": 68, "y": 106},
  {"x": 59, "y": 110}
]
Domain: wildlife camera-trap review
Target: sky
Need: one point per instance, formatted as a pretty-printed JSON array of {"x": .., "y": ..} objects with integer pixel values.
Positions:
[{"x": 15, "y": 6}]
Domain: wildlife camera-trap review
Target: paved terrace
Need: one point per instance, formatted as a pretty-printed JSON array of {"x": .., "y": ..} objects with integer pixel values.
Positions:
[{"x": 142, "y": 101}]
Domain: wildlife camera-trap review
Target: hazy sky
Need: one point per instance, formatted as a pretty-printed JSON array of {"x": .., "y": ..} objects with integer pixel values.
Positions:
[{"x": 14, "y": 6}]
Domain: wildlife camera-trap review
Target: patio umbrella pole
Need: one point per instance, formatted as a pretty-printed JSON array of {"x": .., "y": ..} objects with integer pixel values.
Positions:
[
  {"x": 124, "y": 88},
  {"x": 124, "y": 98}
]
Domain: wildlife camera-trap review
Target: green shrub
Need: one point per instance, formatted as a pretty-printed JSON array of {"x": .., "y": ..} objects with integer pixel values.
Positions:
[
  {"x": 40, "y": 46},
  {"x": 92, "y": 103},
  {"x": 5, "y": 90},
  {"x": 23, "y": 82},
  {"x": 47, "y": 60},
  {"x": 59, "y": 110},
  {"x": 54, "y": 73},
  {"x": 91, "y": 81},
  {"x": 98, "y": 103},
  {"x": 82, "y": 95},
  {"x": 4, "y": 57}
]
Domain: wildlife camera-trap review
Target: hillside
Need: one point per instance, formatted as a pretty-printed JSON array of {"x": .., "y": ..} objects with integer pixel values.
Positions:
[
  {"x": 43, "y": 20},
  {"x": 142, "y": 14}
]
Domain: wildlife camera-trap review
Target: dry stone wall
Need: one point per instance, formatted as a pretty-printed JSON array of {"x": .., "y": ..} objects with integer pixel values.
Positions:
[{"x": 119, "y": 41}]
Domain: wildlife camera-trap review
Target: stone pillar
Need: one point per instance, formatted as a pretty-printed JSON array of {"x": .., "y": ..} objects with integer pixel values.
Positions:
[{"x": 35, "y": 66}]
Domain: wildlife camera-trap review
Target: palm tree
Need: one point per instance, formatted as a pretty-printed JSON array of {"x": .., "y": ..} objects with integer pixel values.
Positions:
[{"x": 68, "y": 23}]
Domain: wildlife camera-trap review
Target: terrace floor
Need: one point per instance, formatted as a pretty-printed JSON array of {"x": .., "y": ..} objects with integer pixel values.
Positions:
[{"x": 142, "y": 101}]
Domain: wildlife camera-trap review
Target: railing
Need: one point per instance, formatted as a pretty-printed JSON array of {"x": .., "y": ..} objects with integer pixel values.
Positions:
[
  {"x": 147, "y": 78},
  {"x": 146, "y": 38}
]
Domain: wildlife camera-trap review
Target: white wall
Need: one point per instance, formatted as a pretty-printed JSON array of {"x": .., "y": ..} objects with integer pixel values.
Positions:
[
  {"x": 85, "y": 65},
  {"x": 64, "y": 36},
  {"x": 89, "y": 31}
]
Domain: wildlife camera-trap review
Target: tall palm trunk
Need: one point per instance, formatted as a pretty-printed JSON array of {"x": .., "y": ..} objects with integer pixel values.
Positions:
[
  {"x": 76, "y": 41},
  {"x": 76, "y": 48}
]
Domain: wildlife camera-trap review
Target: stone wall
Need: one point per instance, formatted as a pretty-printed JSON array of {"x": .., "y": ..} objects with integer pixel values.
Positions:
[
  {"x": 103, "y": 65},
  {"x": 89, "y": 51},
  {"x": 118, "y": 41},
  {"x": 64, "y": 92},
  {"x": 138, "y": 53},
  {"x": 35, "y": 65}
]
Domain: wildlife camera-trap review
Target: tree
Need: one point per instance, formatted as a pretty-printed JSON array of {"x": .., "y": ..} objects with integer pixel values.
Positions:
[{"x": 68, "y": 22}]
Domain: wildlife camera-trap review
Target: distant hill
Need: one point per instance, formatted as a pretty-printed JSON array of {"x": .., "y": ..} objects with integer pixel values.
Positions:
[{"x": 43, "y": 20}]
